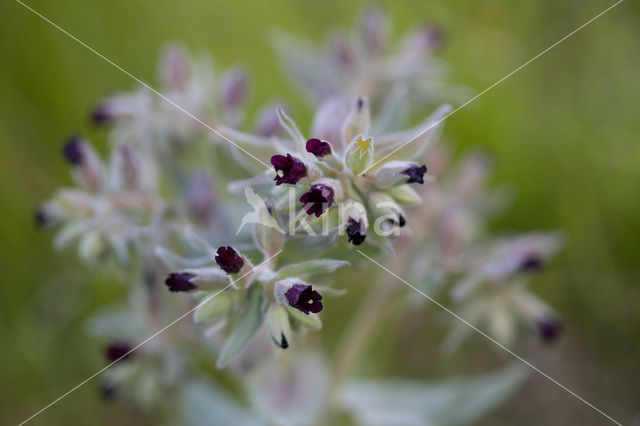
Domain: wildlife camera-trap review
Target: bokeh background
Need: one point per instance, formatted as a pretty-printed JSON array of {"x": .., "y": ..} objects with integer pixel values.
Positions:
[{"x": 564, "y": 132}]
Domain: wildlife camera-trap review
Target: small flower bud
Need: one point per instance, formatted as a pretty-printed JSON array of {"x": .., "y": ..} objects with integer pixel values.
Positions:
[
  {"x": 330, "y": 112},
  {"x": 288, "y": 169},
  {"x": 304, "y": 298},
  {"x": 174, "y": 67},
  {"x": 318, "y": 148},
  {"x": 180, "y": 281},
  {"x": 74, "y": 150},
  {"x": 342, "y": 53},
  {"x": 103, "y": 114},
  {"x": 229, "y": 260},
  {"x": 268, "y": 123},
  {"x": 278, "y": 325},
  {"x": 531, "y": 263},
  {"x": 357, "y": 121},
  {"x": 119, "y": 351},
  {"x": 234, "y": 88},
  {"x": 549, "y": 327},
  {"x": 374, "y": 30},
  {"x": 424, "y": 41},
  {"x": 200, "y": 197},
  {"x": 405, "y": 194},
  {"x": 41, "y": 218},
  {"x": 129, "y": 165},
  {"x": 267, "y": 233},
  {"x": 318, "y": 199}
]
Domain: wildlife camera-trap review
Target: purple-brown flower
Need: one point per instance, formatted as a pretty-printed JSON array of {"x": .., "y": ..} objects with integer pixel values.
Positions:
[
  {"x": 355, "y": 232},
  {"x": 318, "y": 148},
  {"x": 317, "y": 200},
  {"x": 73, "y": 150},
  {"x": 415, "y": 174},
  {"x": 180, "y": 281},
  {"x": 531, "y": 263},
  {"x": 41, "y": 218},
  {"x": 549, "y": 327},
  {"x": 119, "y": 351},
  {"x": 304, "y": 298},
  {"x": 288, "y": 169},
  {"x": 229, "y": 260},
  {"x": 103, "y": 114}
]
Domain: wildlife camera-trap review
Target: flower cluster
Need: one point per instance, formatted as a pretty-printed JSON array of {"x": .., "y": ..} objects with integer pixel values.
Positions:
[{"x": 163, "y": 206}]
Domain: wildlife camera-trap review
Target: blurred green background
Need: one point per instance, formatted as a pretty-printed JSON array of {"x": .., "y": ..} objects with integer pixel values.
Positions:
[{"x": 563, "y": 131}]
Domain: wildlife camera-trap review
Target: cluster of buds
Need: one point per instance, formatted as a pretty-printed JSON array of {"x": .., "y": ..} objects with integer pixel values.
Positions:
[
  {"x": 353, "y": 178},
  {"x": 366, "y": 63},
  {"x": 235, "y": 297},
  {"x": 494, "y": 290},
  {"x": 351, "y": 182},
  {"x": 186, "y": 81},
  {"x": 111, "y": 206}
]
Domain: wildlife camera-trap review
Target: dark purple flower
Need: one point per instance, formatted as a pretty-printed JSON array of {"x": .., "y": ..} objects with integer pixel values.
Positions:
[
  {"x": 180, "y": 281},
  {"x": 401, "y": 221},
  {"x": 415, "y": 174},
  {"x": 288, "y": 169},
  {"x": 41, "y": 218},
  {"x": 304, "y": 298},
  {"x": 549, "y": 327},
  {"x": 531, "y": 263},
  {"x": 229, "y": 260},
  {"x": 73, "y": 150},
  {"x": 119, "y": 351},
  {"x": 108, "y": 389},
  {"x": 102, "y": 114},
  {"x": 318, "y": 148},
  {"x": 354, "y": 232},
  {"x": 317, "y": 200}
]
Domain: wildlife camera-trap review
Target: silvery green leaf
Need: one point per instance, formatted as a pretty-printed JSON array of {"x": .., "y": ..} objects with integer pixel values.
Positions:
[
  {"x": 394, "y": 112},
  {"x": 174, "y": 262},
  {"x": 212, "y": 307},
  {"x": 68, "y": 233},
  {"x": 245, "y": 324},
  {"x": 208, "y": 275},
  {"x": 330, "y": 291},
  {"x": 91, "y": 245},
  {"x": 260, "y": 146},
  {"x": 311, "y": 267},
  {"x": 201, "y": 404},
  {"x": 292, "y": 129},
  {"x": 278, "y": 325},
  {"x": 311, "y": 321},
  {"x": 304, "y": 62},
  {"x": 451, "y": 402}
]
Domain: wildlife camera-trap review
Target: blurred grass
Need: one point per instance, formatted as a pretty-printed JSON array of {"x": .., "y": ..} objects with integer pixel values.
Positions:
[{"x": 563, "y": 131}]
